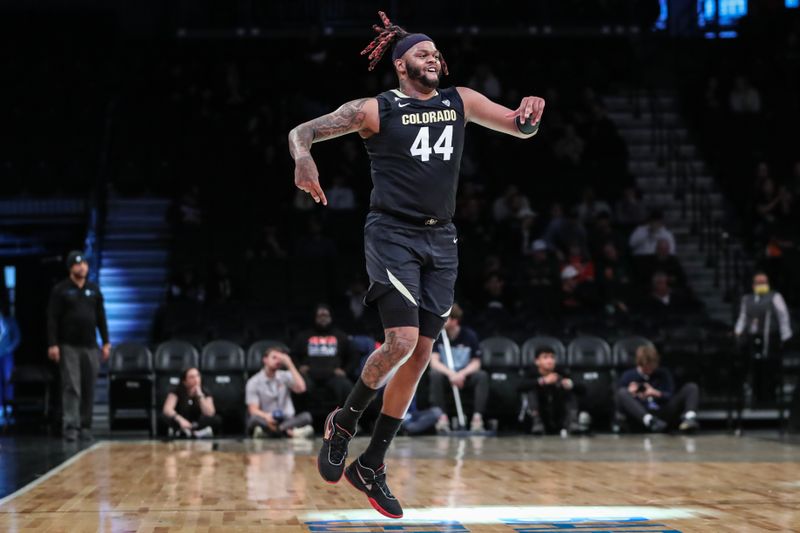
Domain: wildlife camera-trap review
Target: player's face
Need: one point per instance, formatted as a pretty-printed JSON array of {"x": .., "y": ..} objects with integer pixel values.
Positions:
[{"x": 423, "y": 64}]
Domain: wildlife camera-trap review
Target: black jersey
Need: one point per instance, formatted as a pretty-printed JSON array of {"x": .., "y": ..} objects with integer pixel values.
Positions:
[{"x": 415, "y": 159}]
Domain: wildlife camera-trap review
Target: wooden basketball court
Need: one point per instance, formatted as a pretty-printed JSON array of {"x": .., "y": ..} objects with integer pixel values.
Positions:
[{"x": 603, "y": 484}]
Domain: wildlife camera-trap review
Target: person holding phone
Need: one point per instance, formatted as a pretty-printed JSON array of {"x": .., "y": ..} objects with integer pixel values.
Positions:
[
  {"x": 189, "y": 409},
  {"x": 269, "y": 403}
]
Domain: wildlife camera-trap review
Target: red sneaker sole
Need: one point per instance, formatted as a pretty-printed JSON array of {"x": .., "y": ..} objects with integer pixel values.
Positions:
[{"x": 374, "y": 503}]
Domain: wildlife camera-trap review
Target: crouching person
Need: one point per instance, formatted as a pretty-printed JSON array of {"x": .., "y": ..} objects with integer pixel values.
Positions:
[
  {"x": 189, "y": 409},
  {"x": 269, "y": 402}
]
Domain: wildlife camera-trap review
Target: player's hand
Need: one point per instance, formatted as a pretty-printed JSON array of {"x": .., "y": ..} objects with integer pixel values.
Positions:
[
  {"x": 531, "y": 106},
  {"x": 306, "y": 178},
  {"x": 54, "y": 353}
]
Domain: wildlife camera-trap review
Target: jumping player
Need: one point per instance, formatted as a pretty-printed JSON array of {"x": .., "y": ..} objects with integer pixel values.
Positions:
[{"x": 414, "y": 136}]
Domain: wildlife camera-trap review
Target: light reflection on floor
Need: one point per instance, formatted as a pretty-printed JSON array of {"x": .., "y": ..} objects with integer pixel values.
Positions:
[{"x": 506, "y": 514}]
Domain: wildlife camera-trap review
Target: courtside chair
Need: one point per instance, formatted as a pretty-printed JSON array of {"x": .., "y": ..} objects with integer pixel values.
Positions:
[
  {"x": 131, "y": 388},
  {"x": 223, "y": 370}
]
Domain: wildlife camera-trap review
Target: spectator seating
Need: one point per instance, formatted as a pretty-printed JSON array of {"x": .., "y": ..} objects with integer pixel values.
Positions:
[
  {"x": 171, "y": 359},
  {"x": 590, "y": 361},
  {"x": 534, "y": 343},
  {"x": 256, "y": 352},
  {"x": 131, "y": 384},
  {"x": 624, "y": 351},
  {"x": 222, "y": 364},
  {"x": 501, "y": 360}
]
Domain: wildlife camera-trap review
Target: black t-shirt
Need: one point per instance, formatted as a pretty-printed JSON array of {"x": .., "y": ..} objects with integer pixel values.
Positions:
[
  {"x": 74, "y": 314},
  {"x": 416, "y": 156},
  {"x": 188, "y": 407},
  {"x": 323, "y": 351}
]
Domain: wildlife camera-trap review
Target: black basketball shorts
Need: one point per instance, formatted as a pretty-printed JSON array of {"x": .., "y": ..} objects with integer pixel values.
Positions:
[{"x": 412, "y": 271}]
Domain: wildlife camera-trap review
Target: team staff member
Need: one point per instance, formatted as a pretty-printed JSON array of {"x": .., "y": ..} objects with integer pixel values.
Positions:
[
  {"x": 74, "y": 314},
  {"x": 414, "y": 136}
]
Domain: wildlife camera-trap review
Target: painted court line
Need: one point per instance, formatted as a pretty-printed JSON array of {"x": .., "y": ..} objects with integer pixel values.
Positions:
[{"x": 50, "y": 473}]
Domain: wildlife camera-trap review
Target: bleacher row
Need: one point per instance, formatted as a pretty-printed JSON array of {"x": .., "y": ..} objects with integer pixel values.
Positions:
[{"x": 139, "y": 380}]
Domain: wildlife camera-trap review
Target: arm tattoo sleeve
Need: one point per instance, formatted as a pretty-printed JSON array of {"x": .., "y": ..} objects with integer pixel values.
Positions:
[{"x": 348, "y": 118}]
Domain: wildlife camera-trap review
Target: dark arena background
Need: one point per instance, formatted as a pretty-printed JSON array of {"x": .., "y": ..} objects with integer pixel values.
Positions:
[{"x": 655, "y": 213}]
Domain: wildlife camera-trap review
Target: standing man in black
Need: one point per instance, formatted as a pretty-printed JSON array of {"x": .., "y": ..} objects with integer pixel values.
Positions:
[
  {"x": 74, "y": 314},
  {"x": 414, "y": 136}
]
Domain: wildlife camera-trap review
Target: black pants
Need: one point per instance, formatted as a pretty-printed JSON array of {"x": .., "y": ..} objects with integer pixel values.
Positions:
[
  {"x": 555, "y": 406},
  {"x": 214, "y": 422},
  {"x": 78, "y": 366},
  {"x": 686, "y": 399},
  {"x": 762, "y": 365},
  {"x": 338, "y": 386},
  {"x": 477, "y": 382}
]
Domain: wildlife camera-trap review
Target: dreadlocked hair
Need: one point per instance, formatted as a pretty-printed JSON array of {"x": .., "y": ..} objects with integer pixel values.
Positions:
[{"x": 388, "y": 35}]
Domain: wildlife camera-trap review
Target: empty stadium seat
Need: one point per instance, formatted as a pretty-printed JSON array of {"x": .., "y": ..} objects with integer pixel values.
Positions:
[
  {"x": 223, "y": 369},
  {"x": 589, "y": 352},
  {"x": 256, "y": 352},
  {"x": 590, "y": 359},
  {"x": 530, "y": 346},
  {"x": 131, "y": 383},
  {"x": 500, "y": 353},
  {"x": 624, "y": 351}
]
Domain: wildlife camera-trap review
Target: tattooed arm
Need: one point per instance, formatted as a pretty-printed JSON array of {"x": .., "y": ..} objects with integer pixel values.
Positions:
[{"x": 358, "y": 115}]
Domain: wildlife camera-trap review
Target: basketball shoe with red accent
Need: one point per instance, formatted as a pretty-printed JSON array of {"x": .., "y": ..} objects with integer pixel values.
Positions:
[
  {"x": 335, "y": 440},
  {"x": 373, "y": 484}
]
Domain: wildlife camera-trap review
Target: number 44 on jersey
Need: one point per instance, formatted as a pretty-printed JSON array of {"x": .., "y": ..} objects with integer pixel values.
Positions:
[{"x": 443, "y": 146}]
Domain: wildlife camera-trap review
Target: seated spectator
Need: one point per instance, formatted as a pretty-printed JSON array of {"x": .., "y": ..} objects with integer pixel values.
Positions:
[
  {"x": 646, "y": 395},
  {"x": 315, "y": 244},
  {"x": 664, "y": 303},
  {"x": 466, "y": 373},
  {"x": 744, "y": 98},
  {"x": 549, "y": 396},
  {"x": 630, "y": 210},
  {"x": 564, "y": 230},
  {"x": 509, "y": 204},
  {"x": 613, "y": 279},
  {"x": 418, "y": 421},
  {"x": 663, "y": 261},
  {"x": 590, "y": 207},
  {"x": 577, "y": 297},
  {"x": 325, "y": 357},
  {"x": 187, "y": 288},
  {"x": 270, "y": 410},
  {"x": 340, "y": 195},
  {"x": 645, "y": 237},
  {"x": 189, "y": 409},
  {"x": 582, "y": 263}
]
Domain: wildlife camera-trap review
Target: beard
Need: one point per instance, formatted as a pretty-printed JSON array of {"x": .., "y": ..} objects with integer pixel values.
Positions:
[{"x": 420, "y": 75}]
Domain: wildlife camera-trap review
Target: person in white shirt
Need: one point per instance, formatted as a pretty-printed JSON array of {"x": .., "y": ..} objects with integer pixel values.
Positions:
[
  {"x": 645, "y": 237},
  {"x": 269, "y": 403}
]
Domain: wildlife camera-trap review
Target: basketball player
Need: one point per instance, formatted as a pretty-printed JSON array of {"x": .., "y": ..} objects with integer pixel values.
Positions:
[{"x": 414, "y": 136}]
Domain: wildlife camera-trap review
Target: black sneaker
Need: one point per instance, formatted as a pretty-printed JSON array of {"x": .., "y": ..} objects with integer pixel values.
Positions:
[
  {"x": 330, "y": 461},
  {"x": 373, "y": 484},
  {"x": 657, "y": 425}
]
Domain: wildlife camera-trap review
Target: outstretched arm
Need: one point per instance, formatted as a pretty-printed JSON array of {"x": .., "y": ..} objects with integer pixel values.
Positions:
[
  {"x": 358, "y": 115},
  {"x": 481, "y": 110}
]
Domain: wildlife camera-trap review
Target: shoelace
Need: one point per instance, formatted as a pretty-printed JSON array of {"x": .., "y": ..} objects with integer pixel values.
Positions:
[
  {"x": 338, "y": 447},
  {"x": 380, "y": 480}
]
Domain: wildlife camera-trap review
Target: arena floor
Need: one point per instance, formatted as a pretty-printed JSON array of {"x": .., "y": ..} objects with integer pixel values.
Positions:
[{"x": 629, "y": 484}]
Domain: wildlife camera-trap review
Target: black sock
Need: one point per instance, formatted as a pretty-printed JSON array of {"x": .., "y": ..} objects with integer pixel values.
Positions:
[
  {"x": 385, "y": 429},
  {"x": 354, "y": 406}
]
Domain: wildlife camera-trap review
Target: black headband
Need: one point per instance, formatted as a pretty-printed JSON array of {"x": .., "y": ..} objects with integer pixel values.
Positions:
[{"x": 407, "y": 42}]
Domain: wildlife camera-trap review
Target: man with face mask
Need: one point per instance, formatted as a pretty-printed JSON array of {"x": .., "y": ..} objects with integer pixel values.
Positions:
[
  {"x": 74, "y": 315},
  {"x": 763, "y": 326},
  {"x": 325, "y": 357}
]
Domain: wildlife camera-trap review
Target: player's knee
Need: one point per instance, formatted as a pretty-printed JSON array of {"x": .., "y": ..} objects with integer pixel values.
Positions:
[{"x": 400, "y": 342}]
